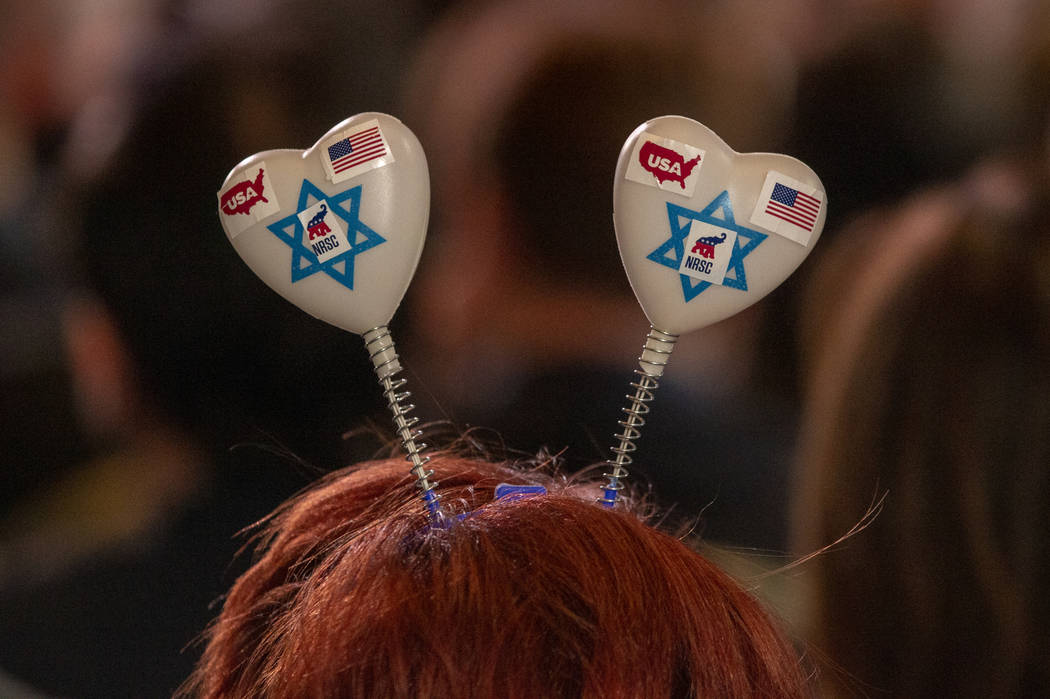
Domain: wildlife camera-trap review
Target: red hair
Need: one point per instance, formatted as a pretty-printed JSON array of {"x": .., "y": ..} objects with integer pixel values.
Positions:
[{"x": 553, "y": 595}]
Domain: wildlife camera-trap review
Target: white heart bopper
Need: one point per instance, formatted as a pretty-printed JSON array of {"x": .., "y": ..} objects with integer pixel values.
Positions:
[
  {"x": 704, "y": 231},
  {"x": 336, "y": 229}
]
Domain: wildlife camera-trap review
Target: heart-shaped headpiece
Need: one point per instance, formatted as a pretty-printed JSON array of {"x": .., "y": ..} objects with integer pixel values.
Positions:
[
  {"x": 704, "y": 232},
  {"x": 337, "y": 230}
]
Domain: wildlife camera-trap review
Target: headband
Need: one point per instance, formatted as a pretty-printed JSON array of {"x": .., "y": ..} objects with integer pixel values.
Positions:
[{"x": 704, "y": 232}]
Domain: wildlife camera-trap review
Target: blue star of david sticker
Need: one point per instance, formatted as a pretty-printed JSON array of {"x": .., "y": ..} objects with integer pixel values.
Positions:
[
  {"x": 718, "y": 213},
  {"x": 361, "y": 237}
]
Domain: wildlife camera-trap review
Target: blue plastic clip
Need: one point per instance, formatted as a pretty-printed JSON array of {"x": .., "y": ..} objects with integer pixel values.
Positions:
[{"x": 508, "y": 491}]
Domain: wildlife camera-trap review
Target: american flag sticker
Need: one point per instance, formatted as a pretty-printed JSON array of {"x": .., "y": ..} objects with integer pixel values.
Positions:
[
  {"x": 358, "y": 149},
  {"x": 788, "y": 207}
]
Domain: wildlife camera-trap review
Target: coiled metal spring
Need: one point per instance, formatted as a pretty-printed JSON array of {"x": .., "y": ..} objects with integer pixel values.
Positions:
[
  {"x": 655, "y": 355},
  {"x": 380, "y": 346}
]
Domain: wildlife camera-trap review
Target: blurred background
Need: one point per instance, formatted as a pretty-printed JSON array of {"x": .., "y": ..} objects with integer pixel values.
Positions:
[{"x": 156, "y": 398}]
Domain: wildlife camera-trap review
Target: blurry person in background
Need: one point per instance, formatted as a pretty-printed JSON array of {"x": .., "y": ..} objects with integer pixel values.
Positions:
[
  {"x": 106, "y": 572},
  {"x": 928, "y": 366},
  {"x": 54, "y": 62},
  {"x": 926, "y": 354}
]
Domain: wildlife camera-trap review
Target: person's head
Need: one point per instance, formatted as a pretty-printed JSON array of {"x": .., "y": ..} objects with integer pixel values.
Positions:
[
  {"x": 929, "y": 378},
  {"x": 550, "y": 595},
  {"x": 522, "y": 147}
]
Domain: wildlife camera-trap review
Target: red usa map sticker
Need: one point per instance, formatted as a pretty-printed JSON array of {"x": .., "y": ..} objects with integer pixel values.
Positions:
[
  {"x": 665, "y": 163},
  {"x": 249, "y": 199}
]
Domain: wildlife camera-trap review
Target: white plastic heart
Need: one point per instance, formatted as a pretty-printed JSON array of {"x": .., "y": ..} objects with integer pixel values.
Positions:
[
  {"x": 704, "y": 231},
  {"x": 336, "y": 229}
]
